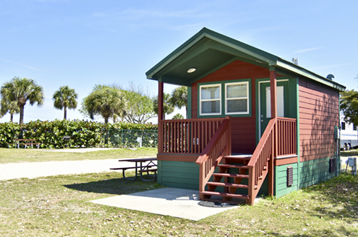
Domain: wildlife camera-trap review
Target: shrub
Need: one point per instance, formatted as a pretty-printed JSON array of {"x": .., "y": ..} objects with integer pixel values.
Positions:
[{"x": 81, "y": 133}]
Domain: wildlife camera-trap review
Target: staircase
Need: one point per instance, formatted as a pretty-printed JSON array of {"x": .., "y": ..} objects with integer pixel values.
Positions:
[{"x": 232, "y": 170}]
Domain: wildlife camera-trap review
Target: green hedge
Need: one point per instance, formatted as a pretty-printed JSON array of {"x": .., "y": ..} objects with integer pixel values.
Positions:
[{"x": 82, "y": 133}]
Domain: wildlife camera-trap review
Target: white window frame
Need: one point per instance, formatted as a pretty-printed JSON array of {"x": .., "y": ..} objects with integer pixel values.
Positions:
[
  {"x": 238, "y": 98},
  {"x": 219, "y": 99}
]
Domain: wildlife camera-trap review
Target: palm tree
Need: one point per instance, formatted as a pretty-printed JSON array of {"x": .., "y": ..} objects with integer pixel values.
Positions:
[
  {"x": 168, "y": 107},
  {"x": 10, "y": 107},
  {"x": 22, "y": 90},
  {"x": 106, "y": 101},
  {"x": 180, "y": 97},
  {"x": 65, "y": 98}
]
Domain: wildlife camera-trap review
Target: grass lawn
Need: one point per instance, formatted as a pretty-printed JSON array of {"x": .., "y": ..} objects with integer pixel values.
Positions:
[
  {"x": 353, "y": 152},
  {"x": 38, "y": 155},
  {"x": 59, "y": 206}
]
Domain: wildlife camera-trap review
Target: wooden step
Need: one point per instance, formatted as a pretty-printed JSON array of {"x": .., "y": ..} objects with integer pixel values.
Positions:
[
  {"x": 222, "y": 201},
  {"x": 243, "y": 176},
  {"x": 233, "y": 166},
  {"x": 231, "y": 185},
  {"x": 230, "y": 195},
  {"x": 237, "y": 158}
]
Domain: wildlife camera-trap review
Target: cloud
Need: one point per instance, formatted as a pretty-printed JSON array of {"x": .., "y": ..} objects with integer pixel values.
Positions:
[
  {"x": 307, "y": 50},
  {"x": 22, "y": 65}
]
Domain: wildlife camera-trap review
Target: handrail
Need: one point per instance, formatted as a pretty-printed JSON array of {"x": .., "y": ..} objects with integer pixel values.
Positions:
[
  {"x": 263, "y": 153},
  {"x": 278, "y": 139},
  {"x": 218, "y": 146}
]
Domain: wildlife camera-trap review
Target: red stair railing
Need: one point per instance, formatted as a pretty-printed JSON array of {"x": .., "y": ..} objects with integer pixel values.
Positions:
[{"x": 218, "y": 146}]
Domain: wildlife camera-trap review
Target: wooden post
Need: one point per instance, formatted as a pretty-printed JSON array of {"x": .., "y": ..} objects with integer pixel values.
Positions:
[
  {"x": 160, "y": 116},
  {"x": 273, "y": 87}
]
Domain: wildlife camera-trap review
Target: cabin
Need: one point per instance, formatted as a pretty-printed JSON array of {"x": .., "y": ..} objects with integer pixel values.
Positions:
[{"x": 257, "y": 124}]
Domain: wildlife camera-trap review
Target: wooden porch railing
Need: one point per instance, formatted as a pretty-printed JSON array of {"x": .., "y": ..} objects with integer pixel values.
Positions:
[
  {"x": 286, "y": 136},
  {"x": 258, "y": 164},
  {"x": 269, "y": 147},
  {"x": 186, "y": 136},
  {"x": 219, "y": 146}
]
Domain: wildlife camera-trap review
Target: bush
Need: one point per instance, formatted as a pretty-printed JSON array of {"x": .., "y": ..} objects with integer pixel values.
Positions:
[{"x": 81, "y": 133}]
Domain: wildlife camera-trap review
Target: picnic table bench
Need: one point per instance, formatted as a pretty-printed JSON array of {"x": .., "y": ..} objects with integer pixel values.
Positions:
[
  {"x": 149, "y": 167},
  {"x": 27, "y": 143}
]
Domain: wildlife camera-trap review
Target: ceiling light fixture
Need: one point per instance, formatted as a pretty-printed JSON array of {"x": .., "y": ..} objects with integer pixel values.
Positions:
[{"x": 191, "y": 70}]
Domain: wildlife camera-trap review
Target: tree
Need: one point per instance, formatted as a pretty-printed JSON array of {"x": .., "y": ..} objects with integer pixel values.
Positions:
[
  {"x": 65, "y": 98},
  {"x": 168, "y": 107},
  {"x": 180, "y": 97},
  {"x": 140, "y": 107},
  {"x": 178, "y": 116},
  {"x": 8, "y": 106},
  {"x": 107, "y": 101},
  {"x": 349, "y": 106},
  {"x": 22, "y": 90}
]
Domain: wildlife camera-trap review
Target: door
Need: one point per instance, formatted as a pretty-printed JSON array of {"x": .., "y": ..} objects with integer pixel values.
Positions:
[{"x": 265, "y": 102}]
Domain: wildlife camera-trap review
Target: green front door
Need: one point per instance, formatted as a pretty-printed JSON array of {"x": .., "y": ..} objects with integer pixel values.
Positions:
[{"x": 265, "y": 102}]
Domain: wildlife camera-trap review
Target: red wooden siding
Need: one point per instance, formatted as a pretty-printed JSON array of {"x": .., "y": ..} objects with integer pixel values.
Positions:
[
  {"x": 319, "y": 113},
  {"x": 243, "y": 128}
]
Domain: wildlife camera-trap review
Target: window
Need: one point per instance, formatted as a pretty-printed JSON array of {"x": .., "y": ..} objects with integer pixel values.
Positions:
[
  {"x": 236, "y": 98},
  {"x": 354, "y": 127},
  {"x": 343, "y": 126},
  {"x": 210, "y": 99}
]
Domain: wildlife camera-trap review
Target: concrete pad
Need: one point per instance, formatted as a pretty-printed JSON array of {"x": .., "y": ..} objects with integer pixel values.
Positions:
[{"x": 175, "y": 202}]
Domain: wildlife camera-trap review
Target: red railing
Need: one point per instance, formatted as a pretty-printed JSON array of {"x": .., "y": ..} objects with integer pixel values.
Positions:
[
  {"x": 218, "y": 146},
  {"x": 287, "y": 136},
  {"x": 269, "y": 147},
  {"x": 258, "y": 164},
  {"x": 186, "y": 136}
]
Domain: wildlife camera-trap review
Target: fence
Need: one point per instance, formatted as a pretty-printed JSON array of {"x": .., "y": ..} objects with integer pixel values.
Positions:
[{"x": 128, "y": 138}]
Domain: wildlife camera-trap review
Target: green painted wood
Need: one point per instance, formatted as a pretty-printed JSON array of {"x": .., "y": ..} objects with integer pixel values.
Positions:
[
  {"x": 297, "y": 105},
  {"x": 315, "y": 171},
  {"x": 281, "y": 187},
  {"x": 178, "y": 174},
  {"x": 189, "y": 102}
]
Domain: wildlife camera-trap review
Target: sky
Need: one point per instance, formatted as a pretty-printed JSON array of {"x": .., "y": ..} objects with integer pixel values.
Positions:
[{"x": 81, "y": 43}]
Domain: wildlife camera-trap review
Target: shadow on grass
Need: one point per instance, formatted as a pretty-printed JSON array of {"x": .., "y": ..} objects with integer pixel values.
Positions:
[
  {"x": 116, "y": 186},
  {"x": 340, "y": 196}
]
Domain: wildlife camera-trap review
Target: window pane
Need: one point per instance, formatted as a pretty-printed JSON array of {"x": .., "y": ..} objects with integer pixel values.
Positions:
[
  {"x": 212, "y": 92},
  {"x": 237, "y": 106},
  {"x": 234, "y": 91},
  {"x": 210, "y": 107}
]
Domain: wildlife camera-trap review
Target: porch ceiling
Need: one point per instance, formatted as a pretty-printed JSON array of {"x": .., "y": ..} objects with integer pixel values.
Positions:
[{"x": 208, "y": 51}]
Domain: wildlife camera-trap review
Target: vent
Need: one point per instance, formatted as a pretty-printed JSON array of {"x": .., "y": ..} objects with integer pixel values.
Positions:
[
  {"x": 289, "y": 176},
  {"x": 332, "y": 165}
]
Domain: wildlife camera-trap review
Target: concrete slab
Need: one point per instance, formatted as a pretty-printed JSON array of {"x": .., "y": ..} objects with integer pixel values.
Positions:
[{"x": 175, "y": 202}]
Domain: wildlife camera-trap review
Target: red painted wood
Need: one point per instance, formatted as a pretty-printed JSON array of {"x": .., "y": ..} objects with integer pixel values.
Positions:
[
  {"x": 242, "y": 127},
  {"x": 160, "y": 116},
  {"x": 319, "y": 113}
]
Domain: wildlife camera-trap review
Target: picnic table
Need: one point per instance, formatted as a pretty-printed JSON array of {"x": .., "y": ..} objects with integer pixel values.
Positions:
[
  {"x": 27, "y": 143},
  {"x": 146, "y": 165}
]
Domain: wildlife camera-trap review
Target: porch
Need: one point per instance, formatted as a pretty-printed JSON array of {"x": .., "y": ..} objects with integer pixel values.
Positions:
[{"x": 207, "y": 142}]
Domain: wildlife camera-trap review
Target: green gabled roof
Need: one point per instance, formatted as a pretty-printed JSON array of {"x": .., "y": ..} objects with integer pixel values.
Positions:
[{"x": 208, "y": 51}]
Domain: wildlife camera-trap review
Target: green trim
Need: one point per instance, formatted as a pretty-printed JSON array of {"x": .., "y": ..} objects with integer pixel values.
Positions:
[
  {"x": 223, "y": 106},
  {"x": 197, "y": 47},
  {"x": 298, "y": 130},
  {"x": 189, "y": 102},
  {"x": 290, "y": 95}
]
